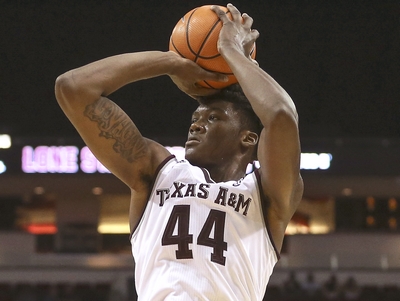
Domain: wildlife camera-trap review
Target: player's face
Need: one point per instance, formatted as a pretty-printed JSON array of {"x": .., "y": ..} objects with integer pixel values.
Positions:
[{"x": 214, "y": 134}]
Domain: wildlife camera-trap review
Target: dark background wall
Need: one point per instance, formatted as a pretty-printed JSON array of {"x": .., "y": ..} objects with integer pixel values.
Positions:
[{"x": 339, "y": 60}]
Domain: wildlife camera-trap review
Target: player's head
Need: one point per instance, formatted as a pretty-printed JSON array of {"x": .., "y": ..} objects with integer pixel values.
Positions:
[
  {"x": 223, "y": 126},
  {"x": 234, "y": 94}
]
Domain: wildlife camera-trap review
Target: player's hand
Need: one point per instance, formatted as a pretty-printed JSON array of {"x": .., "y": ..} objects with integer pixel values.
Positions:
[
  {"x": 186, "y": 74},
  {"x": 236, "y": 33}
]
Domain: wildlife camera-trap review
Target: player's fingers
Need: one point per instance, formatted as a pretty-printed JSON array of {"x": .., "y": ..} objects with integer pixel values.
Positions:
[
  {"x": 236, "y": 16},
  {"x": 255, "y": 62},
  {"x": 221, "y": 14},
  {"x": 247, "y": 20},
  {"x": 254, "y": 34},
  {"x": 214, "y": 76}
]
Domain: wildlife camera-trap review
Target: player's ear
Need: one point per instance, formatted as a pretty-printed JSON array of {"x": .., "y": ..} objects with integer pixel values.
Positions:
[{"x": 249, "y": 138}]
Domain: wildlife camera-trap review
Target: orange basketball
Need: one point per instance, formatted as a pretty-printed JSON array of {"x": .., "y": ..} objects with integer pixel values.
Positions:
[{"x": 195, "y": 37}]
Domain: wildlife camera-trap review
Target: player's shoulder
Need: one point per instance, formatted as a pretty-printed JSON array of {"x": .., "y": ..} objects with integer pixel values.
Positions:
[{"x": 171, "y": 162}]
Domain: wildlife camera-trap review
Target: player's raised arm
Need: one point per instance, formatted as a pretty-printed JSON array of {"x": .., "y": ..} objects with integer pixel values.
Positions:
[
  {"x": 279, "y": 146},
  {"x": 106, "y": 129}
]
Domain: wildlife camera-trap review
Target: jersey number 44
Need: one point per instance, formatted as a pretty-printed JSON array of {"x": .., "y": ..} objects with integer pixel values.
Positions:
[{"x": 179, "y": 220}]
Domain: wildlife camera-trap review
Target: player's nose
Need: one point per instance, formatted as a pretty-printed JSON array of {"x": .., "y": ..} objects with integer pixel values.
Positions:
[{"x": 196, "y": 127}]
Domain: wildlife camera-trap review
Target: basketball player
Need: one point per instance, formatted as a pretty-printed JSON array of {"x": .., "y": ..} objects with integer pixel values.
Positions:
[{"x": 201, "y": 228}]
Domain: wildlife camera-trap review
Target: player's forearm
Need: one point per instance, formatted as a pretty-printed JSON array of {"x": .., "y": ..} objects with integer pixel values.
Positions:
[
  {"x": 267, "y": 97},
  {"x": 105, "y": 76}
]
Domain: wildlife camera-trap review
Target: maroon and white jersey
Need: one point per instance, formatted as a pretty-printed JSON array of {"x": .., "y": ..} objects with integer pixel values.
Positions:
[{"x": 201, "y": 240}]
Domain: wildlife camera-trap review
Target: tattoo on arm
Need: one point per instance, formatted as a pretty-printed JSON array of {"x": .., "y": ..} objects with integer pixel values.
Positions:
[{"x": 114, "y": 124}]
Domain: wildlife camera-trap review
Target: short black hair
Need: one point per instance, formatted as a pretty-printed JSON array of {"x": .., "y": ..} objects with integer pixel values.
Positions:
[{"x": 234, "y": 94}]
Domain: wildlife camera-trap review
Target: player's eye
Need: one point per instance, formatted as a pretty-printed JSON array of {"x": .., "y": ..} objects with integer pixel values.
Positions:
[{"x": 212, "y": 117}]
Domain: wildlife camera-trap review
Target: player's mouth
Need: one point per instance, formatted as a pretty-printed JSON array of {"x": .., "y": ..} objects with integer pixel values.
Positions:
[{"x": 192, "y": 141}]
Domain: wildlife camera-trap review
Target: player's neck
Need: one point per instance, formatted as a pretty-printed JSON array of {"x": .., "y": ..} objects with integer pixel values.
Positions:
[{"x": 228, "y": 172}]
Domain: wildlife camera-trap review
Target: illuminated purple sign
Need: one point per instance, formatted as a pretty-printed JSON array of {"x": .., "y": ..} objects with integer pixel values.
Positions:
[
  {"x": 89, "y": 163},
  {"x": 60, "y": 159},
  {"x": 71, "y": 159}
]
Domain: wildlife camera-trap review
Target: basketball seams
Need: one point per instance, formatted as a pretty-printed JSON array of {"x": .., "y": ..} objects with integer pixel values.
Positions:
[
  {"x": 187, "y": 35},
  {"x": 208, "y": 84},
  {"x": 207, "y": 57},
  {"x": 175, "y": 48},
  {"x": 205, "y": 41}
]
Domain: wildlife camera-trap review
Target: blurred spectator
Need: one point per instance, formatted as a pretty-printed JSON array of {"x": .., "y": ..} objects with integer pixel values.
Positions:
[
  {"x": 331, "y": 289},
  {"x": 311, "y": 289},
  {"x": 292, "y": 288},
  {"x": 351, "y": 290}
]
